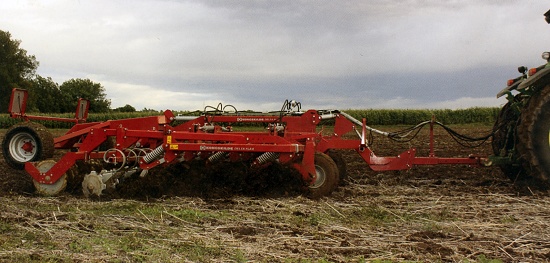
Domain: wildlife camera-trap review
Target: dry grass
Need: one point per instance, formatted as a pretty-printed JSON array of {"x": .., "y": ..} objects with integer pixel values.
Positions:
[{"x": 418, "y": 224}]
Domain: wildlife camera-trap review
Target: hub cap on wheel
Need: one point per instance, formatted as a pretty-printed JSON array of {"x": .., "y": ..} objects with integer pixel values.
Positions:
[
  {"x": 320, "y": 177},
  {"x": 22, "y": 147},
  {"x": 49, "y": 189}
]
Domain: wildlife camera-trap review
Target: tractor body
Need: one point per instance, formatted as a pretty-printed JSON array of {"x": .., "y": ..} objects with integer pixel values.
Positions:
[{"x": 521, "y": 133}]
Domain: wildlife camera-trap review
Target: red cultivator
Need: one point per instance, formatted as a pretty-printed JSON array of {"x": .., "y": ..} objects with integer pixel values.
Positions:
[{"x": 292, "y": 137}]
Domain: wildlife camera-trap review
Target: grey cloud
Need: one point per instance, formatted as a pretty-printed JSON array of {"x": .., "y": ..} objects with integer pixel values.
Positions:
[{"x": 335, "y": 53}]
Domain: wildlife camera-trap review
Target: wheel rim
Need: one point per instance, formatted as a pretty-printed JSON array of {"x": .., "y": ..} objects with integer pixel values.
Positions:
[
  {"x": 23, "y": 147},
  {"x": 320, "y": 177}
]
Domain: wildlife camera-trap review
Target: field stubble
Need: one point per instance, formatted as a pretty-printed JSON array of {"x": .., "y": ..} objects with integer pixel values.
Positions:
[{"x": 426, "y": 214}]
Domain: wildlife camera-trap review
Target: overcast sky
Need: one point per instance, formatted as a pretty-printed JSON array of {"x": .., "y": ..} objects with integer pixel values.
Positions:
[{"x": 183, "y": 55}]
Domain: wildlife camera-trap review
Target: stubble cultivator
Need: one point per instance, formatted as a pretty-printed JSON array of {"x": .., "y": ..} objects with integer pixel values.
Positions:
[{"x": 291, "y": 137}]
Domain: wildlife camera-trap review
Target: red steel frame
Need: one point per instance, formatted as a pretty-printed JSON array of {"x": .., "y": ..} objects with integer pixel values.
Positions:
[{"x": 295, "y": 146}]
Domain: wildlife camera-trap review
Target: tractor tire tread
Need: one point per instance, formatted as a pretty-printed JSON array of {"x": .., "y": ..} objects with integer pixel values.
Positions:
[{"x": 530, "y": 119}]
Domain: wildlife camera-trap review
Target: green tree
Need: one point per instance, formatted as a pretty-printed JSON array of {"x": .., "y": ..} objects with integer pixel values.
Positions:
[
  {"x": 44, "y": 95},
  {"x": 16, "y": 67},
  {"x": 73, "y": 89},
  {"x": 125, "y": 108}
]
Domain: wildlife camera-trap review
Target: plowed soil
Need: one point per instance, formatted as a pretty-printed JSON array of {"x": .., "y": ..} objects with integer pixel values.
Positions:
[{"x": 186, "y": 213}]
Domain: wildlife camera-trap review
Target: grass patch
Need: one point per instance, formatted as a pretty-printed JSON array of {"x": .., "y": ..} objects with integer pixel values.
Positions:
[{"x": 372, "y": 215}]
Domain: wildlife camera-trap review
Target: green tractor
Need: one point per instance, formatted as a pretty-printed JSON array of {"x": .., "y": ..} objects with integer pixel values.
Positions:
[{"x": 521, "y": 141}]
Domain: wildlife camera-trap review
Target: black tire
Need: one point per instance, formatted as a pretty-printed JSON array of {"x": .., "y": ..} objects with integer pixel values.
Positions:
[
  {"x": 327, "y": 177},
  {"x": 27, "y": 142},
  {"x": 340, "y": 164},
  {"x": 534, "y": 139},
  {"x": 504, "y": 141}
]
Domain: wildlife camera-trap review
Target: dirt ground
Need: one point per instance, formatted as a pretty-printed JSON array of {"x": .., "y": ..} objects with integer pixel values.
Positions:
[{"x": 181, "y": 214}]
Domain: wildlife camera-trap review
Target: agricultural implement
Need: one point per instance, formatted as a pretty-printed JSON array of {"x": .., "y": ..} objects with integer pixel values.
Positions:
[{"x": 292, "y": 137}]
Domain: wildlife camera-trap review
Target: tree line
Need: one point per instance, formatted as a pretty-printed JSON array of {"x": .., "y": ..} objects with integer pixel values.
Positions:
[{"x": 18, "y": 70}]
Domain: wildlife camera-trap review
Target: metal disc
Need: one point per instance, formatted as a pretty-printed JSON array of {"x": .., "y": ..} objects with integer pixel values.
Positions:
[
  {"x": 49, "y": 189},
  {"x": 92, "y": 185}
]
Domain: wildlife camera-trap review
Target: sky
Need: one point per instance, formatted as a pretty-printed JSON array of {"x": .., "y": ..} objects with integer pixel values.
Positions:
[{"x": 356, "y": 54}]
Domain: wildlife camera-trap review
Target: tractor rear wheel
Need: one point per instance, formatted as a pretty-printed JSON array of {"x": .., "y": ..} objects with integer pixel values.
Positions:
[
  {"x": 534, "y": 137},
  {"x": 504, "y": 141},
  {"x": 27, "y": 142},
  {"x": 327, "y": 177}
]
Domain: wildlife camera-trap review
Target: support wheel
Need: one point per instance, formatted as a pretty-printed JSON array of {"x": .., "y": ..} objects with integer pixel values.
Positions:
[
  {"x": 27, "y": 142},
  {"x": 534, "y": 138},
  {"x": 327, "y": 176},
  {"x": 49, "y": 189}
]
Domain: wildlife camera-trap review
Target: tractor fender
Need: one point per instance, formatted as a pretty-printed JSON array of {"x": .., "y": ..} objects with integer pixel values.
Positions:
[
  {"x": 509, "y": 88},
  {"x": 544, "y": 74}
]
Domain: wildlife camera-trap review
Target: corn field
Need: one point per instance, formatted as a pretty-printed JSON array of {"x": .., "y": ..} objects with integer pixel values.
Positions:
[
  {"x": 412, "y": 117},
  {"x": 373, "y": 116}
]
